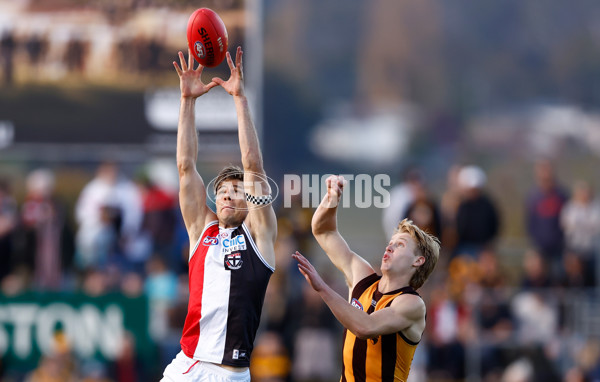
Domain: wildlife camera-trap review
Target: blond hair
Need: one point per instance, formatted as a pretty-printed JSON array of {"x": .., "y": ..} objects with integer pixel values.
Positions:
[{"x": 428, "y": 246}]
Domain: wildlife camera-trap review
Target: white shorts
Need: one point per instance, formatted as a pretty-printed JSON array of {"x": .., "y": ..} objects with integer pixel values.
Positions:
[{"x": 185, "y": 369}]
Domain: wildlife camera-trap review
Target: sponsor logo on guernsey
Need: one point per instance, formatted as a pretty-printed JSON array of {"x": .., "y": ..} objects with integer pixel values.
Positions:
[
  {"x": 355, "y": 303},
  {"x": 233, "y": 261},
  {"x": 210, "y": 240},
  {"x": 239, "y": 354},
  {"x": 237, "y": 243}
]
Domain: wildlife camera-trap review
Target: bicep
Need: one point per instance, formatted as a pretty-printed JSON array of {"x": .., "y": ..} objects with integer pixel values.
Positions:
[
  {"x": 192, "y": 200},
  {"x": 401, "y": 315},
  {"x": 261, "y": 217}
]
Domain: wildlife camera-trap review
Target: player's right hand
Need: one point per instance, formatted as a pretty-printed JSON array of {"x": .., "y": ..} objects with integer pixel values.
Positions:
[
  {"x": 190, "y": 79},
  {"x": 335, "y": 187}
]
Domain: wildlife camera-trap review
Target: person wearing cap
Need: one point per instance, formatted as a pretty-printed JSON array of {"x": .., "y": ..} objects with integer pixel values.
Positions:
[{"x": 477, "y": 218}]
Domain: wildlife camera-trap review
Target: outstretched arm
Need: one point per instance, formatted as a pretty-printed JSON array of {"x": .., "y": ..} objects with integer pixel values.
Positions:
[
  {"x": 404, "y": 312},
  {"x": 192, "y": 192},
  {"x": 261, "y": 218},
  {"x": 324, "y": 228}
]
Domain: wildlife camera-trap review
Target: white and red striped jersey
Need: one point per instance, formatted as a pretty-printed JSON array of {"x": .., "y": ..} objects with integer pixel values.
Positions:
[{"x": 228, "y": 279}]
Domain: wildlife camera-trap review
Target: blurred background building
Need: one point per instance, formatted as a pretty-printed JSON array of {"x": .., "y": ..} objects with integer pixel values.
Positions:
[{"x": 486, "y": 116}]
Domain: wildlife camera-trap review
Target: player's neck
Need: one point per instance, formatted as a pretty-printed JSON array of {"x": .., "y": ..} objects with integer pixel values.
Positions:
[{"x": 390, "y": 283}]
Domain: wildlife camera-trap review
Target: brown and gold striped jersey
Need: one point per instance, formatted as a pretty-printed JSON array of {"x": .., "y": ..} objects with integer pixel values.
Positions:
[{"x": 385, "y": 358}]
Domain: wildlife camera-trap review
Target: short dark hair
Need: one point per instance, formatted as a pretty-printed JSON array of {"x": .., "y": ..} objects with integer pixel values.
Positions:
[{"x": 230, "y": 172}]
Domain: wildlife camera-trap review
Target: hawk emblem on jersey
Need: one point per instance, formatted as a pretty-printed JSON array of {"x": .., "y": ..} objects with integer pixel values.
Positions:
[
  {"x": 355, "y": 303},
  {"x": 233, "y": 261}
]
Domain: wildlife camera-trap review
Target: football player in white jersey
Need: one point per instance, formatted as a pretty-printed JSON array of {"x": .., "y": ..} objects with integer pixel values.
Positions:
[{"x": 243, "y": 216}]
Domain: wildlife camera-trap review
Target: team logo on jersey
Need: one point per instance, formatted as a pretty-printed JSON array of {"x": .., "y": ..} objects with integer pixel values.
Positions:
[
  {"x": 237, "y": 243},
  {"x": 209, "y": 240},
  {"x": 355, "y": 303},
  {"x": 233, "y": 261}
]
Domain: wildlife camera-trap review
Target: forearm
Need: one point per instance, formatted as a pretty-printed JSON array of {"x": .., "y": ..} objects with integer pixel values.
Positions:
[
  {"x": 325, "y": 217},
  {"x": 187, "y": 137},
  {"x": 353, "y": 319},
  {"x": 249, "y": 145}
]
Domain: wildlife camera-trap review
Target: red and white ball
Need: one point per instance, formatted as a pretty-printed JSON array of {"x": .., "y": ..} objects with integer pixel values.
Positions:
[{"x": 207, "y": 37}]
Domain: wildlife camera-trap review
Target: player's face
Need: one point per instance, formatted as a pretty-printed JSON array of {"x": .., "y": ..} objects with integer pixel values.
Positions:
[
  {"x": 231, "y": 203},
  {"x": 400, "y": 254}
]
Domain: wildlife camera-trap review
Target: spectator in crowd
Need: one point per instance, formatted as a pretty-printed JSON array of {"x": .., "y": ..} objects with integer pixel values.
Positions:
[
  {"x": 535, "y": 271},
  {"x": 402, "y": 196},
  {"x": 445, "y": 344},
  {"x": 128, "y": 366},
  {"x": 477, "y": 220},
  {"x": 8, "y": 222},
  {"x": 159, "y": 217},
  {"x": 424, "y": 211},
  {"x": 46, "y": 237},
  {"x": 161, "y": 289},
  {"x": 8, "y": 46},
  {"x": 496, "y": 328},
  {"x": 580, "y": 220},
  {"x": 36, "y": 46},
  {"x": 449, "y": 203},
  {"x": 544, "y": 205},
  {"x": 57, "y": 366},
  {"x": 270, "y": 361},
  {"x": 315, "y": 343},
  {"x": 109, "y": 213}
]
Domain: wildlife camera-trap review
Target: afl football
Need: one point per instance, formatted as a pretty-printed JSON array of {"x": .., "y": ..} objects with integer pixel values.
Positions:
[{"x": 207, "y": 37}]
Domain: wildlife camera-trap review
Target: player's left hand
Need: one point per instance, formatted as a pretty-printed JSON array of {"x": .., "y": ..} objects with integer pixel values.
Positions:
[
  {"x": 309, "y": 272},
  {"x": 235, "y": 84}
]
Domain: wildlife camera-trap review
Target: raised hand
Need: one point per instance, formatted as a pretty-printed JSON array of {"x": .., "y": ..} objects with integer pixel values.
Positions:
[
  {"x": 190, "y": 79},
  {"x": 309, "y": 272},
  {"x": 235, "y": 84},
  {"x": 335, "y": 187}
]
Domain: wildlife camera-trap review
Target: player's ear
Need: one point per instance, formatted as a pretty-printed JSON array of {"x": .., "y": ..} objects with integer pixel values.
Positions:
[{"x": 419, "y": 261}]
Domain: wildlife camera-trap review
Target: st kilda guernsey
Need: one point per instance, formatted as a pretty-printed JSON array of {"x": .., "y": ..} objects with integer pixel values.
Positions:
[{"x": 228, "y": 279}]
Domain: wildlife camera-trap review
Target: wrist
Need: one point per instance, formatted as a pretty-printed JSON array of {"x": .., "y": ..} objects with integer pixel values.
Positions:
[
  {"x": 188, "y": 99},
  {"x": 240, "y": 96}
]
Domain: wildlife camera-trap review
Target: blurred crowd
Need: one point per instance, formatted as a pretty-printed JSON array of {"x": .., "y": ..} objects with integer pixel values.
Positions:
[
  {"x": 492, "y": 318},
  {"x": 488, "y": 318},
  {"x": 53, "y": 40}
]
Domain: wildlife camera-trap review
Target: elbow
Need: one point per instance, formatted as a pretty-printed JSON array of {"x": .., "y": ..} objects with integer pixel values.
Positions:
[
  {"x": 320, "y": 226},
  {"x": 185, "y": 165},
  {"x": 363, "y": 332},
  {"x": 316, "y": 227},
  {"x": 252, "y": 162}
]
